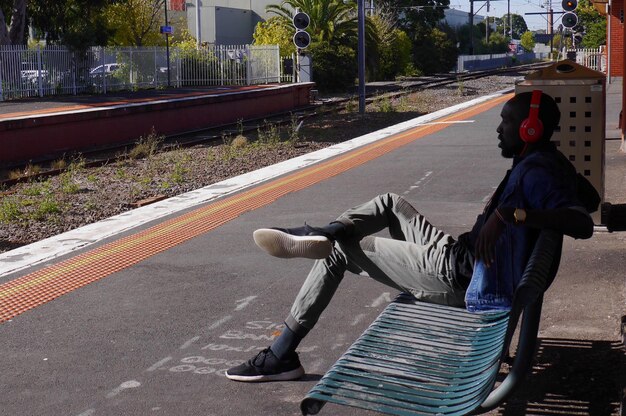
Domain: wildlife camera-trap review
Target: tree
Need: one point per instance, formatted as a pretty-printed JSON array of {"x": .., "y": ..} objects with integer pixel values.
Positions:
[
  {"x": 334, "y": 32},
  {"x": 332, "y": 21},
  {"x": 434, "y": 52},
  {"x": 591, "y": 24},
  {"x": 135, "y": 22},
  {"x": 415, "y": 16},
  {"x": 394, "y": 49},
  {"x": 275, "y": 31},
  {"x": 518, "y": 23},
  {"x": 14, "y": 34},
  {"x": 527, "y": 41},
  {"x": 77, "y": 24}
]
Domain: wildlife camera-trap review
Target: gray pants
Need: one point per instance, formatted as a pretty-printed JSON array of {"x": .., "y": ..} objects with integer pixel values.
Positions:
[{"x": 418, "y": 259}]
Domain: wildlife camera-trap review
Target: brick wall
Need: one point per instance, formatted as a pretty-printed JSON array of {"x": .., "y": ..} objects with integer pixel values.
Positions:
[{"x": 617, "y": 39}]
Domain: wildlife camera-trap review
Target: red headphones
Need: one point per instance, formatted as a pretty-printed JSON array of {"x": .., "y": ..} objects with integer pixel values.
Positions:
[{"x": 531, "y": 128}]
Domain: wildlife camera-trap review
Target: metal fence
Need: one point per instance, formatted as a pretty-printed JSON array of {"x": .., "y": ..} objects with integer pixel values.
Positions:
[
  {"x": 592, "y": 58},
  {"x": 55, "y": 70},
  {"x": 499, "y": 60}
]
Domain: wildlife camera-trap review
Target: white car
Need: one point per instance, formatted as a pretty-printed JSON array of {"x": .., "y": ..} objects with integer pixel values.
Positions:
[{"x": 106, "y": 68}]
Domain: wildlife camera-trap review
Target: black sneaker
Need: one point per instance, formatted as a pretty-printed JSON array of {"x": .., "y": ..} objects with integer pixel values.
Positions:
[
  {"x": 307, "y": 242},
  {"x": 267, "y": 367}
]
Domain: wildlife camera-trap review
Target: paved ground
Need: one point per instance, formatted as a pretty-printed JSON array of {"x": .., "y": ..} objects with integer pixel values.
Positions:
[{"x": 153, "y": 338}]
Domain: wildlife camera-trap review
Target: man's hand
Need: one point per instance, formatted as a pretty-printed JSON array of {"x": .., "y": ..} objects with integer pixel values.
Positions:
[{"x": 485, "y": 249}]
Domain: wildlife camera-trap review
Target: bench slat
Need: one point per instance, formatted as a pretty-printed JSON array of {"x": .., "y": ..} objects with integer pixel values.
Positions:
[{"x": 407, "y": 364}]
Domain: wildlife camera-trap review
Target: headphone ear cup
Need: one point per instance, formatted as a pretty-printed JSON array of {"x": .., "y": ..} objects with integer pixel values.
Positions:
[{"x": 531, "y": 130}]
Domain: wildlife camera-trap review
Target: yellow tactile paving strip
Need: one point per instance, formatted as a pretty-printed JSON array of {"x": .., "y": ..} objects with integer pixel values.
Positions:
[{"x": 28, "y": 292}]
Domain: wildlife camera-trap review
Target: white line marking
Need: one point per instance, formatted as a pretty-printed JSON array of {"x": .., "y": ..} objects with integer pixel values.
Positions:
[
  {"x": 88, "y": 412},
  {"x": 385, "y": 297},
  {"x": 219, "y": 323},
  {"x": 159, "y": 364},
  {"x": 447, "y": 122},
  {"x": 316, "y": 366},
  {"x": 339, "y": 342},
  {"x": 357, "y": 319},
  {"x": 243, "y": 303},
  {"x": 53, "y": 247},
  {"x": 188, "y": 343},
  {"x": 132, "y": 384}
]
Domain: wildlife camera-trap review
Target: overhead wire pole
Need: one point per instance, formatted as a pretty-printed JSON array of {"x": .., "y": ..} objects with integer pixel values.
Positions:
[
  {"x": 167, "y": 47},
  {"x": 361, "y": 55}
]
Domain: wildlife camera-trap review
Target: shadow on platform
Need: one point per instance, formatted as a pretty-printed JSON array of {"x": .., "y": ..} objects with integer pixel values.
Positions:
[{"x": 571, "y": 377}]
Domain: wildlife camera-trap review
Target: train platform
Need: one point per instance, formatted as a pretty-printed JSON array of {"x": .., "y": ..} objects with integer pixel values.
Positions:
[
  {"x": 43, "y": 129},
  {"x": 141, "y": 313}
]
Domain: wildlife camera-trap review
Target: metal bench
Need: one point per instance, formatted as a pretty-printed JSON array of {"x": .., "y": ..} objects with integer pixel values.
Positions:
[{"x": 423, "y": 359}]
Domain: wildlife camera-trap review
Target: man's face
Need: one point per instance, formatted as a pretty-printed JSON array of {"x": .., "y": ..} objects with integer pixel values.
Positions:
[{"x": 508, "y": 132}]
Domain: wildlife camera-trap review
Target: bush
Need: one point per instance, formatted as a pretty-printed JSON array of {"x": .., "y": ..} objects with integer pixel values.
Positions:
[
  {"x": 434, "y": 52},
  {"x": 395, "y": 57},
  {"x": 334, "y": 67}
]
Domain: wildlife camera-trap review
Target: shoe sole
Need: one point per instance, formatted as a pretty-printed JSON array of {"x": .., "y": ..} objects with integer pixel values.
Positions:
[
  {"x": 286, "y": 376},
  {"x": 280, "y": 244}
]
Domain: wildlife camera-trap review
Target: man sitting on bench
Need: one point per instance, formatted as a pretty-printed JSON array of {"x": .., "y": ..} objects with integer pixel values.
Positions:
[{"x": 539, "y": 191}]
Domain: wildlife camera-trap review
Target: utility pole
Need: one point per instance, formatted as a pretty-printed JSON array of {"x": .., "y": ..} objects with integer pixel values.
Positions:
[
  {"x": 471, "y": 27},
  {"x": 167, "y": 47},
  {"x": 551, "y": 26},
  {"x": 198, "y": 32},
  {"x": 361, "y": 55}
]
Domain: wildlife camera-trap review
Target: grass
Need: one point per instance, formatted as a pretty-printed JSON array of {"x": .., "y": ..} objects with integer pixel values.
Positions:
[
  {"x": 47, "y": 207},
  {"x": 147, "y": 146},
  {"x": 10, "y": 210}
]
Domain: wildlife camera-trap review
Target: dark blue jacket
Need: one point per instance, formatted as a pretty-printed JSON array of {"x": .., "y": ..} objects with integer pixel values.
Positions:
[{"x": 544, "y": 179}]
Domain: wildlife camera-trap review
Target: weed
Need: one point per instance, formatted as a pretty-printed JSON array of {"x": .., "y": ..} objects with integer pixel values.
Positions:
[
  {"x": 385, "y": 105},
  {"x": 48, "y": 206},
  {"x": 294, "y": 129},
  {"x": 120, "y": 173},
  {"x": 403, "y": 104},
  {"x": 352, "y": 105},
  {"x": 32, "y": 170},
  {"x": 178, "y": 174},
  {"x": 59, "y": 164},
  {"x": 165, "y": 185},
  {"x": 210, "y": 156},
  {"x": 269, "y": 134},
  {"x": 15, "y": 174},
  {"x": 9, "y": 210},
  {"x": 68, "y": 185},
  {"x": 35, "y": 189},
  {"x": 90, "y": 205},
  {"x": 239, "y": 142},
  {"x": 461, "y": 86},
  {"x": 146, "y": 147}
]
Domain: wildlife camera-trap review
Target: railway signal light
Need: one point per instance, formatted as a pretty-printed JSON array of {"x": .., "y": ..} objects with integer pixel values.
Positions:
[
  {"x": 301, "y": 21},
  {"x": 569, "y": 5},
  {"x": 570, "y": 19},
  {"x": 301, "y": 39}
]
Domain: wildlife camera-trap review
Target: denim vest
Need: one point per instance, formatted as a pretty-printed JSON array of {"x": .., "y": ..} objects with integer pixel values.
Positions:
[{"x": 542, "y": 180}]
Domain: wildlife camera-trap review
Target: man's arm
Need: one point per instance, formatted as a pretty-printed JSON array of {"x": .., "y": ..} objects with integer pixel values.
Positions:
[{"x": 574, "y": 221}]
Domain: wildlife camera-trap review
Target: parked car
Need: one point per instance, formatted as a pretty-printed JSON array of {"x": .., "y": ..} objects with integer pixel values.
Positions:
[
  {"x": 106, "y": 68},
  {"x": 30, "y": 77}
]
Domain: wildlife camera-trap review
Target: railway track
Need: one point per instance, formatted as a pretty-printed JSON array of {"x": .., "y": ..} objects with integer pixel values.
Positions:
[{"x": 215, "y": 134}]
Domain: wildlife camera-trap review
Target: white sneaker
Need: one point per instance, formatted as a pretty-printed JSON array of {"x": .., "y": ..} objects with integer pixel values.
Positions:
[{"x": 304, "y": 242}]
